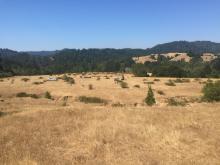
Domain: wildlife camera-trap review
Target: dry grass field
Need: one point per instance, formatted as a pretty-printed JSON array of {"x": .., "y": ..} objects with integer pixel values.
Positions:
[{"x": 124, "y": 130}]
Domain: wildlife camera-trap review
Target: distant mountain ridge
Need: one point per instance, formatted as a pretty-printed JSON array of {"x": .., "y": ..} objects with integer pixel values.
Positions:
[{"x": 197, "y": 47}]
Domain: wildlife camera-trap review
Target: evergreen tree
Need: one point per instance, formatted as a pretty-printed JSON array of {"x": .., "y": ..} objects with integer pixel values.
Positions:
[{"x": 150, "y": 100}]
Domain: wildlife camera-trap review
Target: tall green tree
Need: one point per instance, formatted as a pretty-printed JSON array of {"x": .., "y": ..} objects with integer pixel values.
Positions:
[{"x": 150, "y": 100}]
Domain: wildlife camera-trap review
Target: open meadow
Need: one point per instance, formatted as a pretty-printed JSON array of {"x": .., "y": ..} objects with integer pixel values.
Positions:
[{"x": 95, "y": 118}]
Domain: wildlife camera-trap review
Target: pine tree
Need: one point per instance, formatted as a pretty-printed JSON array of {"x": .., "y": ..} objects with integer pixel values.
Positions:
[{"x": 150, "y": 100}]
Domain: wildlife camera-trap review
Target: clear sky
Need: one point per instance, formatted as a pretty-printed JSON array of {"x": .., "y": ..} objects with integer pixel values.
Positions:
[{"x": 58, "y": 24}]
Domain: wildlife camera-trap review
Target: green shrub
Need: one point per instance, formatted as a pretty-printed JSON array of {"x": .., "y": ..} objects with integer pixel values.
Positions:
[
  {"x": 96, "y": 100},
  {"x": 211, "y": 92},
  {"x": 47, "y": 95},
  {"x": 170, "y": 83},
  {"x": 150, "y": 100}
]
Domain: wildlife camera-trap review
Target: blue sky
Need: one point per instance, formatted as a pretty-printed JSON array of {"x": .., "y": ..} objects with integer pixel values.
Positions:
[{"x": 58, "y": 24}]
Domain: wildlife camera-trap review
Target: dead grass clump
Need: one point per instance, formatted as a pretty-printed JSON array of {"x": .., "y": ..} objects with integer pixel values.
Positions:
[
  {"x": 1, "y": 80},
  {"x": 170, "y": 83},
  {"x": 96, "y": 100}
]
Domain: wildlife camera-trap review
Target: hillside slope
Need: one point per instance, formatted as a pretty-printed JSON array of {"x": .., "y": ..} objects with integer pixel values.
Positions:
[{"x": 197, "y": 47}]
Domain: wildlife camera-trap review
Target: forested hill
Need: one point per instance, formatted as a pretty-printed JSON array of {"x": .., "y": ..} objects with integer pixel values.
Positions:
[
  {"x": 196, "y": 48},
  {"x": 111, "y": 60}
]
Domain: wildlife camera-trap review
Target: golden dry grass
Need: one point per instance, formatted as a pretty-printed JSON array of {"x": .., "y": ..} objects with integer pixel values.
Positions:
[{"x": 43, "y": 131}]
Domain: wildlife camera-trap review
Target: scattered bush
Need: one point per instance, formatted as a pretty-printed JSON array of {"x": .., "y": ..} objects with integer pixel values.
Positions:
[
  {"x": 123, "y": 84},
  {"x": 181, "y": 80},
  {"x": 209, "y": 81},
  {"x": 118, "y": 104},
  {"x": 150, "y": 100},
  {"x": 150, "y": 82},
  {"x": 37, "y": 83},
  {"x": 23, "y": 94},
  {"x": 2, "y": 114},
  {"x": 137, "y": 86},
  {"x": 47, "y": 95},
  {"x": 90, "y": 87},
  {"x": 176, "y": 102},
  {"x": 156, "y": 79},
  {"x": 34, "y": 96},
  {"x": 96, "y": 100},
  {"x": 160, "y": 92},
  {"x": 211, "y": 92},
  {"x": 67, "y": 79},
  {"x": 170, "y": 83},
  {"x": 25, "y": 79}
]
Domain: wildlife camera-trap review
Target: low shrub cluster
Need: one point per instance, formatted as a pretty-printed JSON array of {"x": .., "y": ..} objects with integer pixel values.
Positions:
[
  {"x": 137, "y": 86},
  {"x": 47, "y": 95},
  {"x": 97, "y": 100},
  {"x": 176, "y": 102},
  {"x": 211, "y": 92},
  {"x": 25, "y": 79},
  {"x": 67, "y": 79},
  {"x": 181, "y": 80},
  {"x": 23, "y": 94},
  {"x": 90, "y": 87},
  {"x": 118, "y": 104},
  {"x": 123, "y": 84},
  {"x": 170, "y": 83},
  {"x": 156, "y": 79},
  {"x": 160, "y": 92}
]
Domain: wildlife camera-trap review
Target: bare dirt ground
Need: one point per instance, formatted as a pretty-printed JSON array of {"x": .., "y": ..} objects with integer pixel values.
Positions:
[{"x": 123, "y": 131}]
